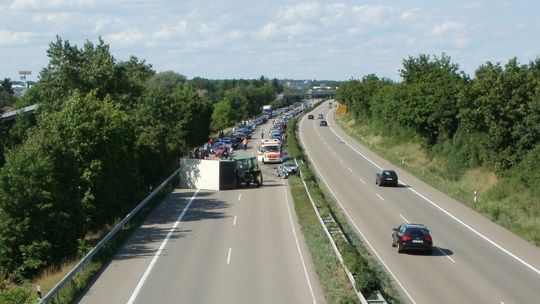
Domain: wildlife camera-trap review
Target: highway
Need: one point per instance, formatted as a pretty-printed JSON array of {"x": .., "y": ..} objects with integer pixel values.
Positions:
[
  {"x": 474, "y": 260},
  {"x": 233, "y": 246}
]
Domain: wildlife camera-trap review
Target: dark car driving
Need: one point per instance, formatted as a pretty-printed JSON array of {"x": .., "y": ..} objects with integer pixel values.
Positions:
[
  {"x": 386, "y": 177},
  {"x": 310, "y": 116},
  {"x": 323, "y": 123},
  {"x": 412, "y": 237}
]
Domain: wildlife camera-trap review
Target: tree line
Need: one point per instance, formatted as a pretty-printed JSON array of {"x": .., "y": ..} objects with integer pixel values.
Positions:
[
  {"x": 104, "y": 133},
  {"x": 490, "y": 120}
]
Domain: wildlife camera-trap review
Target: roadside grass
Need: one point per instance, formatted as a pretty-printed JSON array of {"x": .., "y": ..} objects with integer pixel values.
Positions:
[
  {"x": 26, "y": 293},
  {"x": 503, "y": 201},
  {"x": 333, "y": 279}
]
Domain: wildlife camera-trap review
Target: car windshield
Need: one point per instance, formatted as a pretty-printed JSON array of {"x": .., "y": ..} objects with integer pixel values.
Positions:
[
  {"x": 289, "y": 165},
  {"x": 389, "y": 173},
  {"x": 271, "y": 149},
  {"x": 417, "y": 232}
]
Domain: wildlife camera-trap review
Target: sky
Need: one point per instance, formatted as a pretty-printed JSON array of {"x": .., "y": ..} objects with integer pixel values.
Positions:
[{"x": 323, "y": 40}]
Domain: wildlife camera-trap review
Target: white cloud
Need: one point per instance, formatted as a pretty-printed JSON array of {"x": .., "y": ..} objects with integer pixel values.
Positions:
[
  {"x": 104, "y": 24},
  {"x": 168, "y": 32},
  {"x": 446, "y": 27},
  {"x": 125, "y": 38},
  {"x": 45, "y": 4},
  {"x": 300, "y": 11},
  {"x": 8, "y": 37},
  {"x": 298, "y": 28},
  {"x": 269, "y": 30},
  {"x": 235, "y": 34},
  {"x": 376, "y": 14}
]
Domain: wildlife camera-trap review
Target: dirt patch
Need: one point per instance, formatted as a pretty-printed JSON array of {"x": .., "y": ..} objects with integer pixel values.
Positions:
[{"x": 482, "y": 178}]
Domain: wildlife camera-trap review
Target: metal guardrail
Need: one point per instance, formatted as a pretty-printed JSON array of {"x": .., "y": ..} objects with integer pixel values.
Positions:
[
  {"x": 80, "y": 265},
  {"x": 329, "y": 235}
]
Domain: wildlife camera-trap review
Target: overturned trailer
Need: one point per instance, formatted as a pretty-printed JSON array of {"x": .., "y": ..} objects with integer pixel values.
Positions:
[{"x": 210, "y": 174}]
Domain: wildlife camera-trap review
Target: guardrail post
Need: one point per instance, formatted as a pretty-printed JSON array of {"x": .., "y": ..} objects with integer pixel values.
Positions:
[{"x": 39, "y": 296}]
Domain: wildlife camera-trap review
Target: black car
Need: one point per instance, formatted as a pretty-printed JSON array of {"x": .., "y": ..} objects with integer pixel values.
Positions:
[
  {"x": 386, "y": 177},
  {"x": 310, "y": 116},
  {"x": 412, "y": 237},
  {"x": 323, "y": 123}
]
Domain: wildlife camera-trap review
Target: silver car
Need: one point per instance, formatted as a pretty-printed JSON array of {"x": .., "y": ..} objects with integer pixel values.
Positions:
[{"x": 286, "y": 169}]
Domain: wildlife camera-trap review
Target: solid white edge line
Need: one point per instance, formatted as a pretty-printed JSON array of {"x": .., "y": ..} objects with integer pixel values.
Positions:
[
  {"x": 537, "y": 271},
  {"x": 298, "y": 244},
  {"x": 229, "y": 256},
  {"x": 156, "y": 256},
  {"x": 356, "y": 226}
]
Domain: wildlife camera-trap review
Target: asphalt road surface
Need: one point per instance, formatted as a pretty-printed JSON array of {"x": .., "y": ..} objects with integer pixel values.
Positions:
[
  {"x": 473, "y": 261},
  {"x": 234, "y": 246}
]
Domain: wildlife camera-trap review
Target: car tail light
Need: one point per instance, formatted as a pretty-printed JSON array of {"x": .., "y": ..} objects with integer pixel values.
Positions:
[
  {"x": 428, "y": 239},
  {"x": 405, "y": 238}
]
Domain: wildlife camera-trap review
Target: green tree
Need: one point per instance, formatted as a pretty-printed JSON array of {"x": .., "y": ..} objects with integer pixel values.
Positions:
[
  {"x": 429, "y": 104},
  {"x": 239, "y": 103},
  {"x": 167, "y": 81},
  {"x": 101, "y": 139},
  {"x": 40, "y": 219},
  {"x": 71, "y": 69},
  {"x": 6, "y": 86},
  {"x": 160, "y": 135},
  {"x": 130, "y": 78},
  {"x": 503, "y": 102},
  {"x": 222, "y": 116},
  {"x": 195, "y": 114}
]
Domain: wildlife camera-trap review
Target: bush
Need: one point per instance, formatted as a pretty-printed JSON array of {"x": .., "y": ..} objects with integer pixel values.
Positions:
[{"x": 15, "y": 296}]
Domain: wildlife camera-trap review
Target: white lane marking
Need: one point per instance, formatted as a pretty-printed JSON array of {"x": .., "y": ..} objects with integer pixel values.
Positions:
[
  {"x": 363, "y": 182},
  {"x": 229, "y": 256},
  {"x": 234, "y": 222},
  {"x": 382, "y": 199},
  {"x": 334, "y": 153},
  {"x": 444, "y": 253},
  {"x": 158, "y": 253},
  {"x": 356, "y": 227},
  {"x": 239, "y": 196},
  {"x": 341, "y": 160},
  {"x": 515, "y": 257},
  {"x": 298, "y": 244},
  {"x": 349, "y": 169},
  {"x": 406, "y": 220}
]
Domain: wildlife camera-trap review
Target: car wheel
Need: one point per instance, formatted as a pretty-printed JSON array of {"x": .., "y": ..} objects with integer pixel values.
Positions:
[{"x": 399, "y": 248}]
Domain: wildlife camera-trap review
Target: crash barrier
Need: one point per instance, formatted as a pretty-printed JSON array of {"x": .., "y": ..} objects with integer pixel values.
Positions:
[
  {"x": 329, "y": 221},
  {"x": 207, "y": 174},
  {"x": 53, "y": 294}
]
